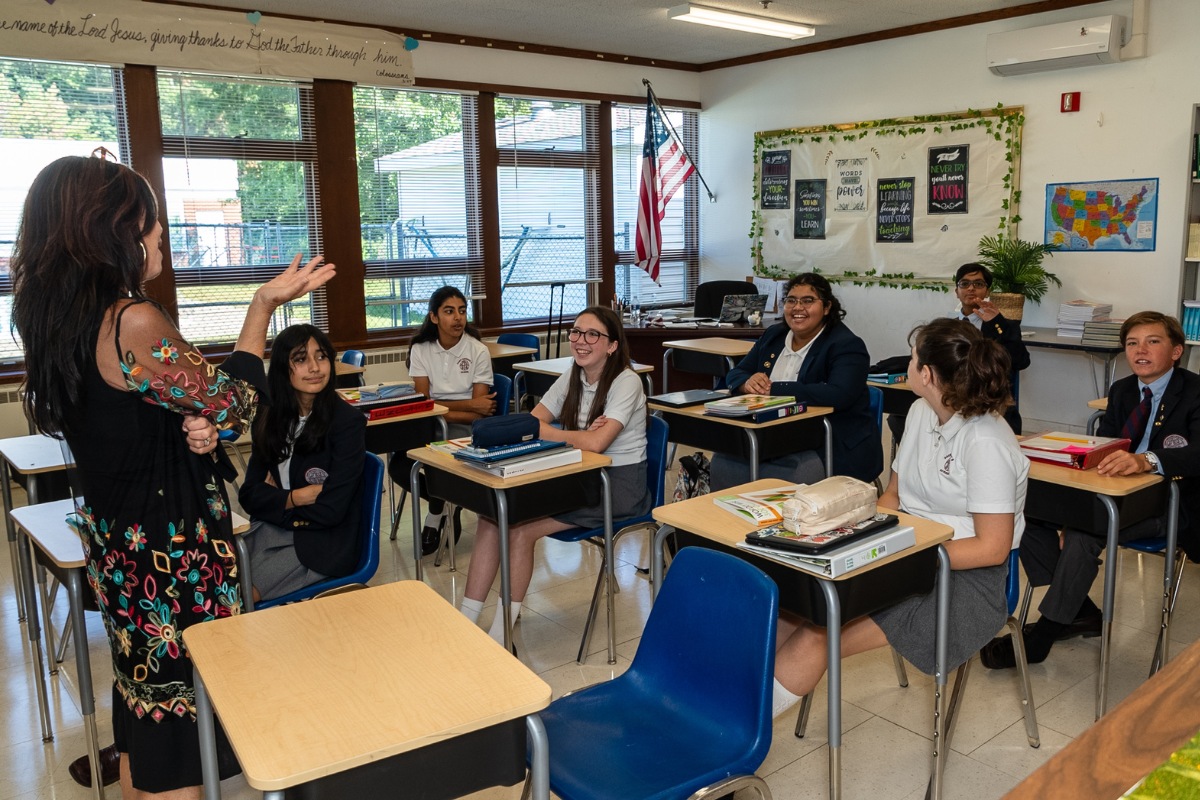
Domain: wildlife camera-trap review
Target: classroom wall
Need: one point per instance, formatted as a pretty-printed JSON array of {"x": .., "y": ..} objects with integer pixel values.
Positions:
[{"x": 1135, "y": 122}]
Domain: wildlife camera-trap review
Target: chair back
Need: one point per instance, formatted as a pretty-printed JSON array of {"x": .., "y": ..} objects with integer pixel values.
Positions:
[
  {"x": 875, "y": 394},
  {"x": 502, "y": 386},
  {"x": 521, "y": 340},
  {"x": 711, "y": 294},
  {"x": 657, "y": 433},
  {"x": 355, "y": 358},
  {"x": 1012, "y": 584},
  {"x": 709, "y": 645}
]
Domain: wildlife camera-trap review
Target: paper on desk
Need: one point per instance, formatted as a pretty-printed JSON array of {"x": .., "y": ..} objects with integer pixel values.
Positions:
[{"x": 769, "y": 287}]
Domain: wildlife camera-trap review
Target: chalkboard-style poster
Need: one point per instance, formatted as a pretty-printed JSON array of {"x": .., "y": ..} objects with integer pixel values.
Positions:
[
  {"x": 852, "y": 184},
  {"x": 948, "y": 179},
  {"x": 894, "y": 199},
  {"x": 810, "y": 209},
  {"x": 776, "y": 178}
]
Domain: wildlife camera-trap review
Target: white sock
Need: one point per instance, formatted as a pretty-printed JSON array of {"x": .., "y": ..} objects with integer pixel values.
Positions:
[
  {"x": 497, "y": 630},
  {"x": 782, "y": 699},
  {"x": 471, "y": 608},
  {"x": 434, "y": 520}
]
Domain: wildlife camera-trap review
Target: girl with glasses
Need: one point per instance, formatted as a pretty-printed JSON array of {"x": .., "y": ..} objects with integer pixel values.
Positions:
[{"x": 602, "y": 408}]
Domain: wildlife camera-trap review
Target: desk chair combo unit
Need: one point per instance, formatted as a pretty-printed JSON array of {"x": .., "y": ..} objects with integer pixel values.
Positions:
[{"x": 709, "y": 297}]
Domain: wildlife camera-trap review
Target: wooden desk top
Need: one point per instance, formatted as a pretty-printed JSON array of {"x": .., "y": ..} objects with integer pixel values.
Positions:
[
  {"x": 342, "y": 368},
  {"x": 31, "y": 455},
  {"x": 701, "y": 516},
  {"x": 498, "y": 350},
  {"x": 713, "y": 345},
  {"x": 557, "y": 366},
  {"x": 698, "y": 411},
  {"x": 448, "y": 463},
  {"x": 1100, "y": 404},
  {"x": 1088, "y": 480},
  {"x": 901, "y": 386},
  {"x": 299, "y": 688},
  {"x": 436, "y": 411},
  {"x": 1127, "y": 742}
]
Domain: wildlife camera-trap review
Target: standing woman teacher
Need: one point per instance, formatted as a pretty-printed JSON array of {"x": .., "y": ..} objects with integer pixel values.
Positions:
[{"x": 109, "y": 371}]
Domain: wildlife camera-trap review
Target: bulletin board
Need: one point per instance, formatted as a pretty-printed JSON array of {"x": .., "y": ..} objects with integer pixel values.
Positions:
[{"x": 890, "y": 200}]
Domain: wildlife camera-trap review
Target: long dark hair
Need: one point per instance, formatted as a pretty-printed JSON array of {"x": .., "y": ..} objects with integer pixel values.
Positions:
[
  {"x": 821, "y": 286},
  {"x": 617, "y": 363},
  {"x": 78, "y": 251},
  {"x": 428, "y": 332},
  {"x": 274, "y": 423},
  {"x": 972, "y": 371}
]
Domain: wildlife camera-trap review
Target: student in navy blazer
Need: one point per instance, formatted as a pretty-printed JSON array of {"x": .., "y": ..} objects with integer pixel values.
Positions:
[
  {"x": 303, "y": 485},
  {"x": 812, "y": 355}
]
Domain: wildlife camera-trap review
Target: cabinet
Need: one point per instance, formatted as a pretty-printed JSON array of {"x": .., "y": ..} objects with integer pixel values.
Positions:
[{"x": 1189, "y": 283}]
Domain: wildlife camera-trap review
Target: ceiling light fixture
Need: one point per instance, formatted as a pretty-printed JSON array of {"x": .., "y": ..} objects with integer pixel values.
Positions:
[{"x": 750, "y": 23}]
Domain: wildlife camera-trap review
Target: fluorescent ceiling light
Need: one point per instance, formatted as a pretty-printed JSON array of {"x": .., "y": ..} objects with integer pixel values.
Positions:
[{"x": 703, "y": 15}]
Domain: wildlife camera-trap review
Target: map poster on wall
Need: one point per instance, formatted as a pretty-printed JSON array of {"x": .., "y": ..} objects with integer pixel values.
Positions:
[
  {"x": 810, "y": 209},
  {"x": 1103, "y": 215},
  {"x": 894, "y": 199},
  {"x": 776, "y": 178},
  {"x": 852, "y": 184},
  {"x": 948, "y": 179}
]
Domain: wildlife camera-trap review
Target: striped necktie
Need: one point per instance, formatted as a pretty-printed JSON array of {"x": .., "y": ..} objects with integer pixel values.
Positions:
[{"x": 1135, "y": 427}]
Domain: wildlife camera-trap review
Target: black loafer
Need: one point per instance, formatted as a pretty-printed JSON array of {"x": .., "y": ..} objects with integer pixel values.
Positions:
[
  {"x": 998, "y": 653},
  {"x": 1088, "y": 627},
  {"x": 110, "y": 767},
  {"x": 431, "y": 537}
]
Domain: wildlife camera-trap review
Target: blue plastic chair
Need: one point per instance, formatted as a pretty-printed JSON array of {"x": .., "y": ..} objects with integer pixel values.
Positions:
[
  {"x": 355, "y": 358},
  {"x": 656, "y": 454},
  {"x": 368, "y": 539},
  {"x": 693, "y": 711},
  {"x": 521, "y": 340}
]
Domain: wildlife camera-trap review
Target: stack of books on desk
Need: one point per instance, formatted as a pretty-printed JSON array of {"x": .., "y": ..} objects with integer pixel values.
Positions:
[
  {"x": 887, "y": 377},
  {"x": 755, "y": 407},
  {"x": 1070, "y": 449},
  {"x": 512, "y": 460},
  {"x": 1074, "y": 313},
  {"x": 836, "y": 562},
  {"x": 385, "y": 400},
  {"x": 1103, "y": 332}
]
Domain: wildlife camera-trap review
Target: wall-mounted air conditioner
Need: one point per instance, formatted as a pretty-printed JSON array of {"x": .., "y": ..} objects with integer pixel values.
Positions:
[{"x": 1066, "y": 44}]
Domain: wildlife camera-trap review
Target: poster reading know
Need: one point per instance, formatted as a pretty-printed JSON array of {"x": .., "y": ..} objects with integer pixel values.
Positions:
[
  {"x": 948, "y": 179},
  {"x": 810, "y": 209},
  {"x": 894, "y": 199},
  {"x": 776, "y": 178},
  {"x": 852, "y": 184}
]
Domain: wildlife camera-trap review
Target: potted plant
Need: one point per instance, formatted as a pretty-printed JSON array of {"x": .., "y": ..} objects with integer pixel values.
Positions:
[{"x": 1017, "y": 272}]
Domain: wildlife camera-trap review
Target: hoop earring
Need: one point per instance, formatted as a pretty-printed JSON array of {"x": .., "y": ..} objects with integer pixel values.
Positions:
[{"x": 145, "y": 255}]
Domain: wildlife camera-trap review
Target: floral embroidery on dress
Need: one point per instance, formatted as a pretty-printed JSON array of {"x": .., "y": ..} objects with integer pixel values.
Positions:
[{"x": 166, "y": 352}]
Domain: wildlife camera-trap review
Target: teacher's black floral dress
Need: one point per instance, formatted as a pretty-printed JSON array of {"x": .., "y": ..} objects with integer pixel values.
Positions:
[{"x": 157, "y": 531}]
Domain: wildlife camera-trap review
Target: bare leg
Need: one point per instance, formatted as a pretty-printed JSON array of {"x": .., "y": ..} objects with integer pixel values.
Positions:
[
  {"x": 800, "y": 660},
  {"x": 485, "y": 558},
  {"x": 130, "y": 793}
]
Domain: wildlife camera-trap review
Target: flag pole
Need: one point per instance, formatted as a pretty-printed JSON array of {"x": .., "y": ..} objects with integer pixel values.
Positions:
[{"x": 712, "y": 198}]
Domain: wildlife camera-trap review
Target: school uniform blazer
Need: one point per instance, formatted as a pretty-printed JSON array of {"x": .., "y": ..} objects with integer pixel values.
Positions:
[
  {"x": 326, "y": 532},
  {"x": 1174, "y": 438},
  {"x": 834, "y": 373},
  {"x": 1008, "y": 333}
]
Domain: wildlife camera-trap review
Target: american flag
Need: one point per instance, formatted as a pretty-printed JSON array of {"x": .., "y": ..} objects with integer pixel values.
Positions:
[{"x": 665, "y": 168}]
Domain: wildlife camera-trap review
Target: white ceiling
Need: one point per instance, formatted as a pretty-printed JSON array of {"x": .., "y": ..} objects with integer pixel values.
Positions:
[{"x": 632, "y": 27}]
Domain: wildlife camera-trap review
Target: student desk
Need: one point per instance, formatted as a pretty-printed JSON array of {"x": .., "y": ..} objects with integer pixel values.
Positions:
[
  {"x": 829, "y": 601},
  {"x": 501, "y": 351},
  {"x": 536, "y": 377},
  {"x": 1049, "y": 339},
  {"x": 1139, "y": 734},
  {"x": 897, "y": 397},
  {"x": 754, "y": 441},
  {"x": 511, "y": 501},
  {"x": 397, "y": 434},
  {"x": 32, "y": 456},
  {"x": 1065, "y": 496},
  {"x": 347, "y": 376},
  {"x": 729, "y": 349},
  {"x": 646, "y": 346},
  {"x": 301, "y": 694}
]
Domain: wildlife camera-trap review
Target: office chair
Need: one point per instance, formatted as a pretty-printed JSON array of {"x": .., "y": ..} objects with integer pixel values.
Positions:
[{"x": 668, "y": 728}]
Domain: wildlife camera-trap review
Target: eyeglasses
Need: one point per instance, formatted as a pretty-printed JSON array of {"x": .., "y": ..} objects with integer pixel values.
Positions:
[
  {"x": 972, "y": 285},
  {"x": 792, "y": 302},
  {"x": 591, "y": 337}
]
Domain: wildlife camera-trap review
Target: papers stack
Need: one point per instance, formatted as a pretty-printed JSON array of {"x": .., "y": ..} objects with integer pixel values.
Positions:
[
  {"x": 1074, "y": 313},
  {"x": 1103, "y": 332}
]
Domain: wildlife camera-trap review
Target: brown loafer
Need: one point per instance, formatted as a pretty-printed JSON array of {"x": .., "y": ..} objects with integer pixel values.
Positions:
[{"x": 110, "y": 767}]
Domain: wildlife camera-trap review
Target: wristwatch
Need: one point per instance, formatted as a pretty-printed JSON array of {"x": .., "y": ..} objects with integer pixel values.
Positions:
[{"x": 1152, "y": 460}]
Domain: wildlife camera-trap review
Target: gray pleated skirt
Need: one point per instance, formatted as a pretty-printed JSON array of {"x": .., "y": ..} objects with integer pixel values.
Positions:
[
  {"x": 630, "y": 498},
  {"x": 978, "y": 610}
]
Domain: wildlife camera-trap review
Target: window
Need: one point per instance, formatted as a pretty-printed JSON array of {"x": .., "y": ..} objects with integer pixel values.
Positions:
[
  {"x": 419, "y": 200},
  {"x": 679, "y": 269},
  {"x": 48, "y": 110},
  {"x": 240, "y": 173},
  {"x": 549, "y": 192}
]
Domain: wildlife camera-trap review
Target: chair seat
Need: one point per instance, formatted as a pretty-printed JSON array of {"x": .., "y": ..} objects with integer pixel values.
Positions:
[
  {"x": 1155, "y": 544},
  {"x": 582, "y": 534}
]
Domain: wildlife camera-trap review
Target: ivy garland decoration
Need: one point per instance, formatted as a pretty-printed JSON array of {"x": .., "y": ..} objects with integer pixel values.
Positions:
[{"x": 1002, "y": 123}]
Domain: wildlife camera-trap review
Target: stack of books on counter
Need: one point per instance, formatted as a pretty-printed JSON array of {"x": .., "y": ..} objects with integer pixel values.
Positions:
[
  {"x": 386, "y": 400},
  {"x": 755, "y": 407},
  {"x": 1074, "y": 313},
  {"x": 1103, "y": 332},
  {"x": 1070, "y": 449},
  {"x": 763, "y": 507},
  {"x": 1191, "y": 320},
  {"x": 509, "y": 461}
]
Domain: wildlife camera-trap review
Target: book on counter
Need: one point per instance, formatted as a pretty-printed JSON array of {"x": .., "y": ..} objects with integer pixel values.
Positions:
[
  {"x": 764, "y": 507},
  {"x": 385, "y": 400},
  {"x": 492, "y": 455},
  {"x": 887, "y": 377},
  {"x": 841, "y": 560},
  {"x": 1071, "y": 449},
  {"x": 530, "y": 462},
  {"x": 739, "y": 405}
]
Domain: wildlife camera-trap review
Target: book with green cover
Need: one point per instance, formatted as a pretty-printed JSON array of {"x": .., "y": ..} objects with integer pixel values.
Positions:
[{"x": 742, "y": 404}]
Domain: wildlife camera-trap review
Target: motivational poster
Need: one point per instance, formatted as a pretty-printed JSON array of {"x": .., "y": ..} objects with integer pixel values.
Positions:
[
  {"x": 810, "y": 209},
  {"x": 851, "y": 185},
  {"x": 894, "y": 199},
  {"x": 776, "y": 178},
  {"x": 948, "y": 179}
]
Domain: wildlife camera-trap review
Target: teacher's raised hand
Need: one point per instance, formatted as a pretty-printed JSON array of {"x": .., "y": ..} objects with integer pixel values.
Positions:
[{"x": 295, "y": 281}]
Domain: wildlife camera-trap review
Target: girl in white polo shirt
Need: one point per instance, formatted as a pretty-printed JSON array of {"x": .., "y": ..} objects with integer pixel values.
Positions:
[
  {"x": 602, "y": 407},
  {"x": 456, "y": 371}
]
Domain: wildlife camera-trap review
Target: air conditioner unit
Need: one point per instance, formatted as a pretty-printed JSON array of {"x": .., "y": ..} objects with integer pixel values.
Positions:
[{"x": 1066, "y": 44}]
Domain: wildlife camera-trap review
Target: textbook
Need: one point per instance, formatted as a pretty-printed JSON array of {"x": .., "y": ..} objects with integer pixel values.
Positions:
[
  {"x": 844, "y": 559},
  {"x": 742, "y": 404},
  {"x": 383, "y": 400},
  {"x": 887, "y": 377},
  {"x": 524, "y": 465},
  {"x": 775, "y": 412},
  {"x": 1071, "y": 449},
  {"x": 491, "y": 455},
  {"x": 398, "y": 410},
  {"x": 816, "y": 543},
  {"x": 764, "y": 507}
]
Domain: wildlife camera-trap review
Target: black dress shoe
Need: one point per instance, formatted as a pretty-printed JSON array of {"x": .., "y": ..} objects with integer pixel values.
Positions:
[
  {"x": 431, "y": 537},
  {"x": 998, "y": 653},
  {"x": 1088, "y": 627},
  {"x": 110, "y": 767}
]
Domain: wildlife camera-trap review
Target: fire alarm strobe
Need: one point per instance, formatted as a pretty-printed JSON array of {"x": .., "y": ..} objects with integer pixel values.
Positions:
[{"x": 1070, "y": 102}]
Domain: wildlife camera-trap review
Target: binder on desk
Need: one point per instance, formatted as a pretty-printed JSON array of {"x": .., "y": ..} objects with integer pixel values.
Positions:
[
  {"x": 844, "y": 559},
  {"x": 1071, "y": 449}
]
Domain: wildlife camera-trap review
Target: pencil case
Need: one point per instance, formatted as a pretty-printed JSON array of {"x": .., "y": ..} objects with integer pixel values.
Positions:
[
  {"x": 831, "y": 503},
  {"x": 503, "y": 430}
]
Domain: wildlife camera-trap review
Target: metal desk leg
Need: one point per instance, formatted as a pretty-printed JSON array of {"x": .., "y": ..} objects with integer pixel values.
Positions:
[
  {"x": 83, "y": 666},
  {"x": 828, "y": 446},
  {"x": 1162, "y": 651},
  {"x": 505, "y": 568},
  {"x": 656, "y": 560},
  {"x": 752, "y": 443},
  {"x": 245, "y": 578},
  {"x": 941, "y": 742},
  {"x": 6, "y": 491},
  {"x": 48, "y": 626},
  {"x": 208, "y": 740},
  {"x": 414, "y": 490},
  {"x": 539, "y": 758},
  {"x": 666, "y": 363},
  {"x": 35, "y": 635},
  {"x": 833, "y": 622},
  {"x": 609, "y": 568},
  {"x": 1110, "y": 581}
]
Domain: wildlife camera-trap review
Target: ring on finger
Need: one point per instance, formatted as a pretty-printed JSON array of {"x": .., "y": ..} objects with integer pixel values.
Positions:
[{"x": 207, "y": 441}]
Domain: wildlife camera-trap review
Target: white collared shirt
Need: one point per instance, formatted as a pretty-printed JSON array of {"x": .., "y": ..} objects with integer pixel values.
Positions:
[
  {"x": 787, "y": 365},
  {"x": 452, "y": 373}
]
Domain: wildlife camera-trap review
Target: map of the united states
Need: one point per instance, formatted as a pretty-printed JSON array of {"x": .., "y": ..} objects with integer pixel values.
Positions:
[{"x": 1092, "y": 215}]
